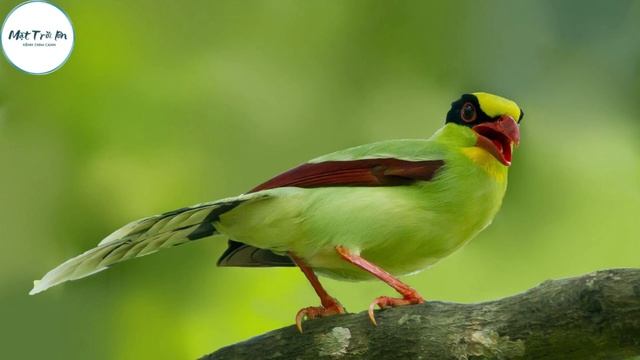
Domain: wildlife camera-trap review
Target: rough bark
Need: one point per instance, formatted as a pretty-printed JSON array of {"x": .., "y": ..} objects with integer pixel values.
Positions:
[{"x": 595, "y": 316}]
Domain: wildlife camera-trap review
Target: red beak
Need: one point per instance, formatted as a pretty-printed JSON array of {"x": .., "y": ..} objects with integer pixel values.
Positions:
[{"x": 499, "y": 137}]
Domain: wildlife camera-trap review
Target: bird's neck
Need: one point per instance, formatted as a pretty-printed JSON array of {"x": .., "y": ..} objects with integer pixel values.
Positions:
[
  {"x": 455, "y": 135},
  {"x": 463, "y": 139}
]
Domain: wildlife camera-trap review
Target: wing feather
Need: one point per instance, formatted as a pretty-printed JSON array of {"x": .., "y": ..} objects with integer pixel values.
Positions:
[{"x": 363, "y": 172}]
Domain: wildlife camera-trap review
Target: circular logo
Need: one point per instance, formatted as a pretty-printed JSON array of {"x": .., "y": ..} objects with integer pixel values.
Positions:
[{"x": 37, "y": 37}]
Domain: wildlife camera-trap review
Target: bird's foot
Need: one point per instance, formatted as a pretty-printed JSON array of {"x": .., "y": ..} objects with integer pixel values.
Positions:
[
  {"x": 313, "y": 312},
  {"x": 385, "y": 302}
]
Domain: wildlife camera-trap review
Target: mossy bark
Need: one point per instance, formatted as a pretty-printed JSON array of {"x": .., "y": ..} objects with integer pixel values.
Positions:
[{"x": 595, "y": 316}]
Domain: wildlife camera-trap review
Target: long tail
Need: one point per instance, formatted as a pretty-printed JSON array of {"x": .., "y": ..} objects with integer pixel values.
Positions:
[{"x": 140, "y": 238}]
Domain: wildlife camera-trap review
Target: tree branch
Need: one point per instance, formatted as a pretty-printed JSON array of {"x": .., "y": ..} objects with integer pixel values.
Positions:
[{"x": 595, "y": 316}]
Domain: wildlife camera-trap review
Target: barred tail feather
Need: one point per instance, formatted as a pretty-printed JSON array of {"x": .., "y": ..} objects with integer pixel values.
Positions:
[{"x": 140, "y": 238}]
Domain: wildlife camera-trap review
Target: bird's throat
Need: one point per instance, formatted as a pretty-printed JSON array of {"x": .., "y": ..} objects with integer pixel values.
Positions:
[{"x": 487, "y": 162}]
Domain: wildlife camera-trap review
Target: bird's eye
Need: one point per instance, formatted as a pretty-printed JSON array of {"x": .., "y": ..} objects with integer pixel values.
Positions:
[{"x": 468, "y": 112}]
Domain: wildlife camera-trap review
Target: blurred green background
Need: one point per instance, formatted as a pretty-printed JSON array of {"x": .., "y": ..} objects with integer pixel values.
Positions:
[{"x": 167, "y": 104}]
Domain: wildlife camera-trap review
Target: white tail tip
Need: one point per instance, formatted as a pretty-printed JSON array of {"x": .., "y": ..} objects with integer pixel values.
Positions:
[{"x": 37, "y": 287}]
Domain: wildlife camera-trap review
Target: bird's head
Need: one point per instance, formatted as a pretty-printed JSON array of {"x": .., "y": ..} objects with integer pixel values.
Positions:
[{"x": 493, "y": 119}]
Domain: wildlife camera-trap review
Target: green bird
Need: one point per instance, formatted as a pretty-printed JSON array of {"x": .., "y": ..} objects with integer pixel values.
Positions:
[{"x": 373, "y": 211}]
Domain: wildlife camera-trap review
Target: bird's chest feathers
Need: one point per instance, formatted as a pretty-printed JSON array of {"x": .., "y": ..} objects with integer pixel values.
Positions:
[{"x": 486, "y": 162}]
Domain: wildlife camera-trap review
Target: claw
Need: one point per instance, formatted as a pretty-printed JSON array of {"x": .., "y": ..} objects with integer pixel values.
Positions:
[
  {"x": 313, "y": 312},
  {"x": 308, "y": 313},
  {"x": 385, "y": 302},
  {"x": 372, "y": 317}
]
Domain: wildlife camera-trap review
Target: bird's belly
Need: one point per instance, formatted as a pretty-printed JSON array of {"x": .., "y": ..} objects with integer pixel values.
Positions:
[
  {"x": 406, "y": 236},
  {"x": 396, "y": 260},
  {"x": 401, "y": 253}
]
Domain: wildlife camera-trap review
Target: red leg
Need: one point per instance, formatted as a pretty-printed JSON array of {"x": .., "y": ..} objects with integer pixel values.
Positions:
[
  {"x": 409, "y": 295},
  {"x": 330, "y": 306}
]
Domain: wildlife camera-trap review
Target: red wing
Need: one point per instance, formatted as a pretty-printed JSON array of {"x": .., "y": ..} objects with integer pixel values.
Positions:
[{"x": 366, "y": 172}]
